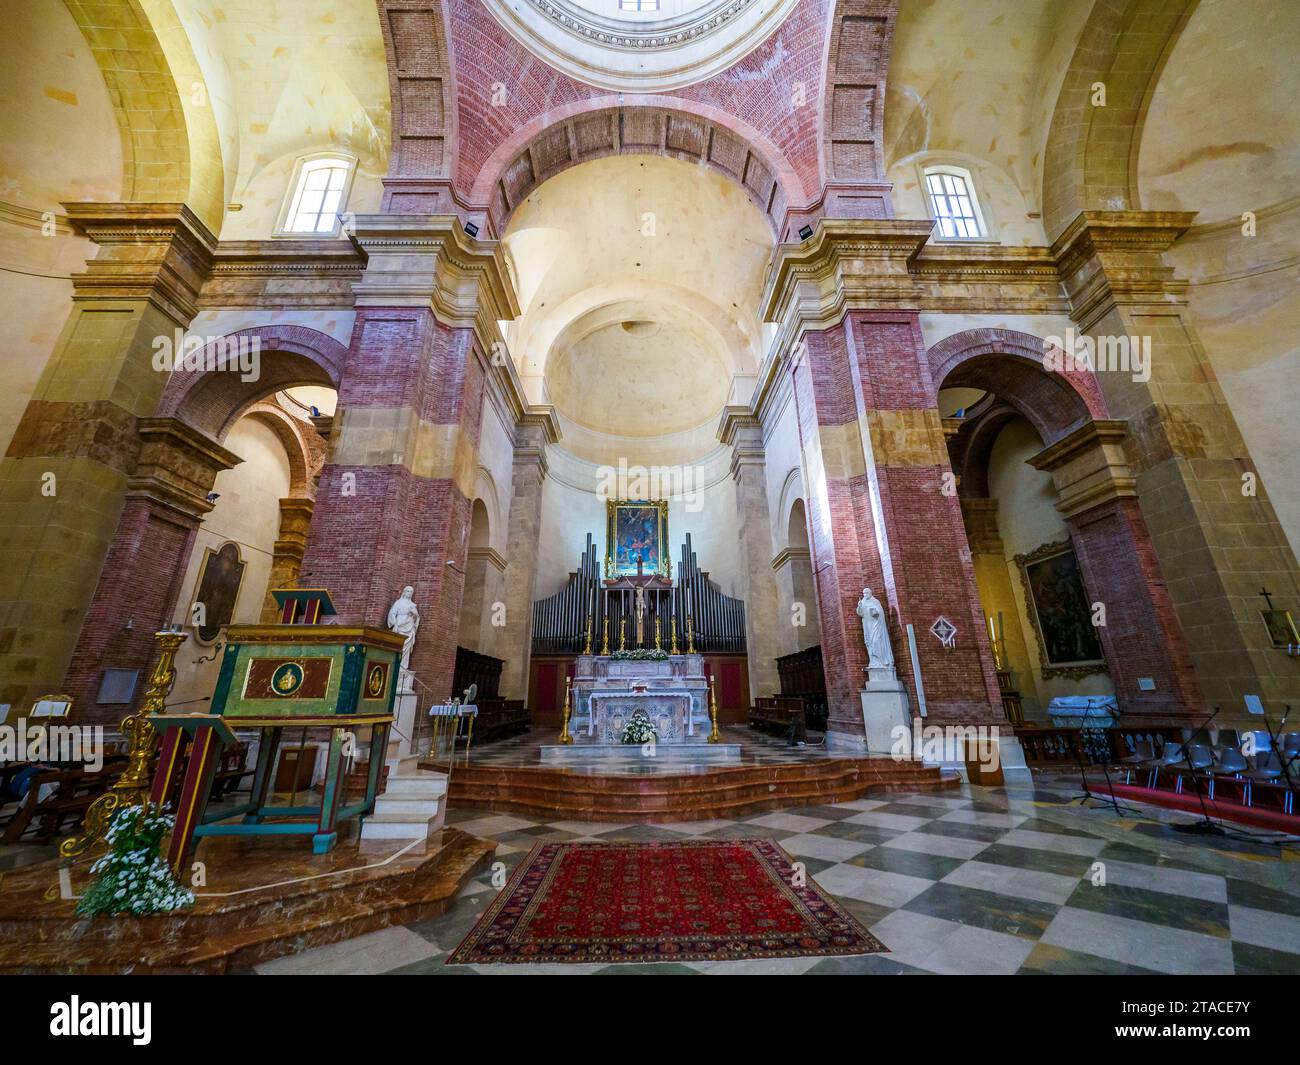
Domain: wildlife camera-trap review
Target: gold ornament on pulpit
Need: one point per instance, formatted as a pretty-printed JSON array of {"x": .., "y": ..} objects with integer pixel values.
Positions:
[
  {"x": 672, "y": 650},
  {"x": 658, "y": 642},
  {"x": 714, "y": 736},
  {"x": 565, "y": 738},
  {"x": 587, "y": 650},
  {"x": 604, "y": 642},
  {"x": 622, "y": 634},
  {"x": 132, "y": 787},
  {"x": 690, "y": 635}
]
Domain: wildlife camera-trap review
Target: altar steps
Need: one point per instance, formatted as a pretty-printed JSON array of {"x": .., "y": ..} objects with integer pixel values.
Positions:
[{"x": 703, "y": 794}]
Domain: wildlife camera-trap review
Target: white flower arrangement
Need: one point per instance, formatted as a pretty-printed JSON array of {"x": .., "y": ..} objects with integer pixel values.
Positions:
[
  {"x": 639, "y": 729},
  {"x": 132, "y": 877}
]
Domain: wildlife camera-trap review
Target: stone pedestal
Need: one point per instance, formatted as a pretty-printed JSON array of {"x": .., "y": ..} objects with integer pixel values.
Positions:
[
  {"x": 884, "y": 708},
  {"x": 404, "y": 710}
]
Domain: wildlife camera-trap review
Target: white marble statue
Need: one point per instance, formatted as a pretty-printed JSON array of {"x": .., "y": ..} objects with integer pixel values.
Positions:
[
  {"x": 875, "y": 633},
  {"x": 404, "y": 618}
]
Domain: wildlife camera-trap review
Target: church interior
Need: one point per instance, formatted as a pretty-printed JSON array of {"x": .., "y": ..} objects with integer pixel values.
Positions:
[{"x": 573, "y": 487}]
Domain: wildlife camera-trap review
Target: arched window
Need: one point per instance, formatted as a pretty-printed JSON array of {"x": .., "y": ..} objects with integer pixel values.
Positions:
[
  {"x": 320, "y": 188},
  {"x": 951, "y": 193}
]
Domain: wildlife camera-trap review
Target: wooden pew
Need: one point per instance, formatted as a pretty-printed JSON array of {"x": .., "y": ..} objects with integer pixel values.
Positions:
[{"x": 778, "y": 714}]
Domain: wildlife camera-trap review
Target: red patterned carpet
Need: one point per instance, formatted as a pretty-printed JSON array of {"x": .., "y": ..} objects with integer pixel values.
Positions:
[{"x": 693, "y": 900}]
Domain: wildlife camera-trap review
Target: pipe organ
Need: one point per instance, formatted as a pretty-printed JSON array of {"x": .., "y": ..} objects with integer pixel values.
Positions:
[{"x": 607, "y": 608}]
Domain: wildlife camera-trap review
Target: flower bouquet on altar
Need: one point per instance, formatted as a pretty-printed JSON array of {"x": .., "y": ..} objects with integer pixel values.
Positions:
[
  {"x": 639, "y": 729},
  {"x": 640, "y": 654}
]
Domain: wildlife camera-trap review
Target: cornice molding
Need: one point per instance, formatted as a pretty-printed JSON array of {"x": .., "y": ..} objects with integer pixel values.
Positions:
[
  {"x": 488, "y": 554},
  {"x": 160, "y": 252}
]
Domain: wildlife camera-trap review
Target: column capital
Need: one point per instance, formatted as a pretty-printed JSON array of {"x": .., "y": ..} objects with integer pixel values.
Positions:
[
  {"x": 1089, "y": 466},
  {"x": 846, "y": 263},
  {"x": 430, "y": 261},
  {"x": 178, "y": 465},
  {"x": 160, "y": 252},
  {"x": 1117, "y": 257}
]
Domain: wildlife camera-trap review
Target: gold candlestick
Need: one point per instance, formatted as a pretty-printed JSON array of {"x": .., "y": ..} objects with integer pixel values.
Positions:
[
  {"x": 132, "y": 787},
  {"x": 622, "y": 634},
  {"x": 690, "y": 635},
  {"x": 714, "y": 736},
  {"x": 658, "y": 645},
  {"x": 673, "y": 626},
  {"x": 565, "y": 738},
  {"x": 587, "y": 651},
  {"x": 604, "y": 643}
]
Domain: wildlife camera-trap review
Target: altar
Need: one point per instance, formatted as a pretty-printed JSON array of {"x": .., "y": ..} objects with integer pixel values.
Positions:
[{"x": 672, "y": 691}]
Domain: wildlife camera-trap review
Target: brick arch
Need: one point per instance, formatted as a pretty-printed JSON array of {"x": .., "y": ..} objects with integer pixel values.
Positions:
[
  {"x": 576, "y": 133},
  {"x": 305, "y": 456},
  {"x": 1090, "y": 161},
  {"x": 213, "y": 400},
  {"x": 1009, "y": 364}
]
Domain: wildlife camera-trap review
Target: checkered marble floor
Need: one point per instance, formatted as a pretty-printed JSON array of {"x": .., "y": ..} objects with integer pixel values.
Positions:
[{"x": 981, "y": 880}]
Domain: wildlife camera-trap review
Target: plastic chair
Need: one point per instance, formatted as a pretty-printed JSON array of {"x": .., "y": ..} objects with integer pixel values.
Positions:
[
  {"x": 1200, "y": 758},
  {"x": 1233, "y": 764},
  {"x": 1142, "y": 757}
]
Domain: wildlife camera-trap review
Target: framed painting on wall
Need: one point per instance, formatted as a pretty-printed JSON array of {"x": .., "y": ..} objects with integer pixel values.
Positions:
[
  {"x": 1059, "y": 607},
  {"x": 220, "y": 576},
  {"x": 636, "y": 533}
]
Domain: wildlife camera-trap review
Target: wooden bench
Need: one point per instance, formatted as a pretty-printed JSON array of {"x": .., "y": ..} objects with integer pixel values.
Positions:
[
  {"x": 499, "y": 719},
  {"x": 783, "y": 715},
  {"x": 63, "y": 808}
]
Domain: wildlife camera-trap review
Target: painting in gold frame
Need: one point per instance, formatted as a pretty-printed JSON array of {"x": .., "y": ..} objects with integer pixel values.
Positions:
[
  {"x": 1058, "y": 608},
  {"x": 636, "y": 531}
]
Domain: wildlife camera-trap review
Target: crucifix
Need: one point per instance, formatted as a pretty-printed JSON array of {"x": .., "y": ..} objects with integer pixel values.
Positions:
[
  {"x": 1268, "y": 596},
  {"x": 640, "y": 611}
]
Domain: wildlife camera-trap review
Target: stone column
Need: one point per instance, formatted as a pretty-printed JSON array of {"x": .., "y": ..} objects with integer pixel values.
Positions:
[
  {"x": 288, "y": 551},
  {"x": 1215, "y": 533},
  {"x": 533, "y": 433},
  {"x": 137, "y": 588},
  {"x": 765, "y": 625},
  {"x": 65, "y": 477},
  {"x": 1145, "y": 651},
  {"x": 883, "y": 505},
  {"x": 393, "y": 502}
]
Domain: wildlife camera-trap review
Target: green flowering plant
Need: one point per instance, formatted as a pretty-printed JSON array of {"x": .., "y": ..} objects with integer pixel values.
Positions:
[
  {"x": 640, "y": 654},
  {"x": 639, "y": 729},
  {"x": 132, "y": 877}
]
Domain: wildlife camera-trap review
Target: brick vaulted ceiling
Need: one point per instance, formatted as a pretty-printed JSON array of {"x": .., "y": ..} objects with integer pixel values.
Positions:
[{"x": 472, "y": 106}]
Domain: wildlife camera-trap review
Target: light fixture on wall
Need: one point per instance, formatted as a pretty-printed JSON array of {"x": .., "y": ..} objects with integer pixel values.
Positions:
[
  {"x": 471, "y": 229},
  {"x": 805, "y": 232},
  {"x": 213, "y": 496}
]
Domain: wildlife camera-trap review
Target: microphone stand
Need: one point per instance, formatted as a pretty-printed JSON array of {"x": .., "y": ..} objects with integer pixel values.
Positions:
[
  {"x": 1204, "y": 827},
  {"x": 1285, "y": 763}
]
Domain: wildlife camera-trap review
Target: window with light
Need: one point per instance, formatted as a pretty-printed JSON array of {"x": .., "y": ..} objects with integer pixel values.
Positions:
[
  {"x": 952, "y": 202},
  {"x": 319, "y": 196}
]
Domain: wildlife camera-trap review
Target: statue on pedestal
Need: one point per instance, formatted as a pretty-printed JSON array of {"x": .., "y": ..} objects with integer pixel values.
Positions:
[
  {"x": 404, "y": 618},
  {"x": 875, "y": 633}
]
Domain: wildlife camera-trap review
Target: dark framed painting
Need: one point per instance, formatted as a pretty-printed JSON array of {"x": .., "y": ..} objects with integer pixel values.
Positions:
[
  {"x": 1281, "y": 627},
  {"x": 1061, "y": 612},
  {"x": 220, "y": 576},
  {"x": 636, "y": 535}
]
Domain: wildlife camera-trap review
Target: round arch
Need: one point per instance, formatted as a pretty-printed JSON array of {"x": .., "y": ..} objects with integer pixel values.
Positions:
[
  {"x": 213, "y": 397},
  {"x": 577, "y": 132},
  {"x": 1009, "y": 364}
]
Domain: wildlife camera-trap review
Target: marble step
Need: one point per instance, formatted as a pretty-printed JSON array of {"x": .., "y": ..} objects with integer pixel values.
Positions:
[{"x": 722, "y": 791}]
